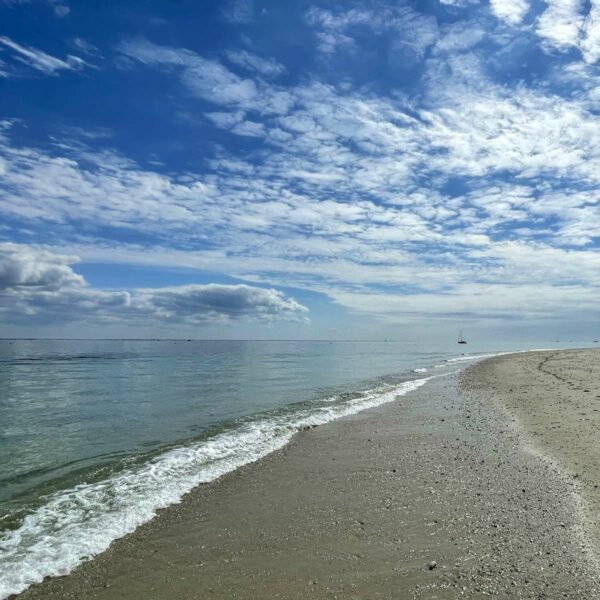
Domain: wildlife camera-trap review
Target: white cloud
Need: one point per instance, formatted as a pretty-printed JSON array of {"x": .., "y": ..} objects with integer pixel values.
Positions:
[
  {"x": 560, "y": 24},
  {"x": 22, "y": 267},
  {"x": 226, "y": 120},
  {"x": 510, "y": 11},
  {"x": 37, "y": 283},
  {"x": 477, "y": 301},
  {"x": 522, "y": 132},
  {"x": 214, "y": 302},
  {"x": 251, "y": 62},
  {"x": 460, "y": 3},
  {"x": 249, "y": 129},
  {"x": 590, "y": 45},
  {"x": 569, "y": 24},
  {"x": 85, "y": 46},
  {"x": 36, "y": 59},
  {"x": 209, "y": 79},
  {"x": 459, "y": 37},
  {"x": 409, "y": 29}
]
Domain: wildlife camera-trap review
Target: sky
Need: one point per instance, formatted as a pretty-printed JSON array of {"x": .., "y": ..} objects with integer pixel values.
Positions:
[{"x": 300, "y": 169}]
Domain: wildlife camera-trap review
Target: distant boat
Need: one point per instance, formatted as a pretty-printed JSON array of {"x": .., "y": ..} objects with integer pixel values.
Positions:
[{"x": 460, "y": 338}]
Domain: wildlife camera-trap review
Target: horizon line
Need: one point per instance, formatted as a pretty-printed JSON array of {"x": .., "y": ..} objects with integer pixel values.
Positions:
[{"x": 152, "y": 339}]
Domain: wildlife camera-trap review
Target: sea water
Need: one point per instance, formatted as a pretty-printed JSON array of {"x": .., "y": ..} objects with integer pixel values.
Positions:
[{"x": 95, "y": 436}]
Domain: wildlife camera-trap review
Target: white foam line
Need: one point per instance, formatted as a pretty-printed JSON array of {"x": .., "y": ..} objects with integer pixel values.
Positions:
[
  {"x": 482, "y": 356},
  {"x": 77, "y": 524}
]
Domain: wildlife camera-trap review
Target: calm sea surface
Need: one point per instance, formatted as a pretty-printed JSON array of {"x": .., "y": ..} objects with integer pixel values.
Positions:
[{"x": 96, "y": 435}]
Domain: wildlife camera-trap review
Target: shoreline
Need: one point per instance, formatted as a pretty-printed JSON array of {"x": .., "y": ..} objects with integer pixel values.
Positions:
[{"x": 363, "y": 507}]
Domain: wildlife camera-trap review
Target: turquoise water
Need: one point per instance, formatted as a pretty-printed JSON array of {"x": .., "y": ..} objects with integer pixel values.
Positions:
[{"x": 96, "y": 435}]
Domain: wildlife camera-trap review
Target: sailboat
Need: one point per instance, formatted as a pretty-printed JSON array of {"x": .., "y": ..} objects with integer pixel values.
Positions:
[{"x": 460, "y": 338}]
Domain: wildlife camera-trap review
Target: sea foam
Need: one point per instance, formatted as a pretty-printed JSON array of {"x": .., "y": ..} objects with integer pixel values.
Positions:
[
  {"x": 466, "y": 357},
  {"x": 77, "y": 524}
]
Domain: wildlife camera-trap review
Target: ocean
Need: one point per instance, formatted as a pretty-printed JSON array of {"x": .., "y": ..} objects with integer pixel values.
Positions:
[{"x": 96, "y": 435}]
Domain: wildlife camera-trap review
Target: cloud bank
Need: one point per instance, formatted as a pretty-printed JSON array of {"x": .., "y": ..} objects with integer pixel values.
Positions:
[{"x": 37, "y": 284}]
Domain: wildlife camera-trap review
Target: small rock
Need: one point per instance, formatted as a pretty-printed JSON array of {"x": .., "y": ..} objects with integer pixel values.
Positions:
[{"x": 432, "y": 565}]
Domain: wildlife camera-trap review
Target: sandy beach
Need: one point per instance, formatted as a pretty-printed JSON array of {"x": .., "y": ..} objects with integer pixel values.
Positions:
[{"x": 479, "y": 483}]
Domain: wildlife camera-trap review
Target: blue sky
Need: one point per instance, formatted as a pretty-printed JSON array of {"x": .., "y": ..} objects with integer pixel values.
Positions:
[{"x": 299, "y": 169}]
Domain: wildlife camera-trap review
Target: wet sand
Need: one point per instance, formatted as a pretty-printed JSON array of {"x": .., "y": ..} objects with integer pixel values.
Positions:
[{"x": 460, "y": 489}]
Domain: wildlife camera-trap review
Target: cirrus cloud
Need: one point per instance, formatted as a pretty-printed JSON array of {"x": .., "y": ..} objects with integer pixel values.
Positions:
[{"x": 41, "y": 61}]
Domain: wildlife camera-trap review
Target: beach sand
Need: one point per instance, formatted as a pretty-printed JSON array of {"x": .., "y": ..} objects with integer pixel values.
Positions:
[{"x": 476, "y": 484}]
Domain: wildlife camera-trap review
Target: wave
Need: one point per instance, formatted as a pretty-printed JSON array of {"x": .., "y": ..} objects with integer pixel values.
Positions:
[
  {"x": 482, "y": 356},
  {"x": 76, "y": 524},
  {"x": 474, "y": 357}
]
